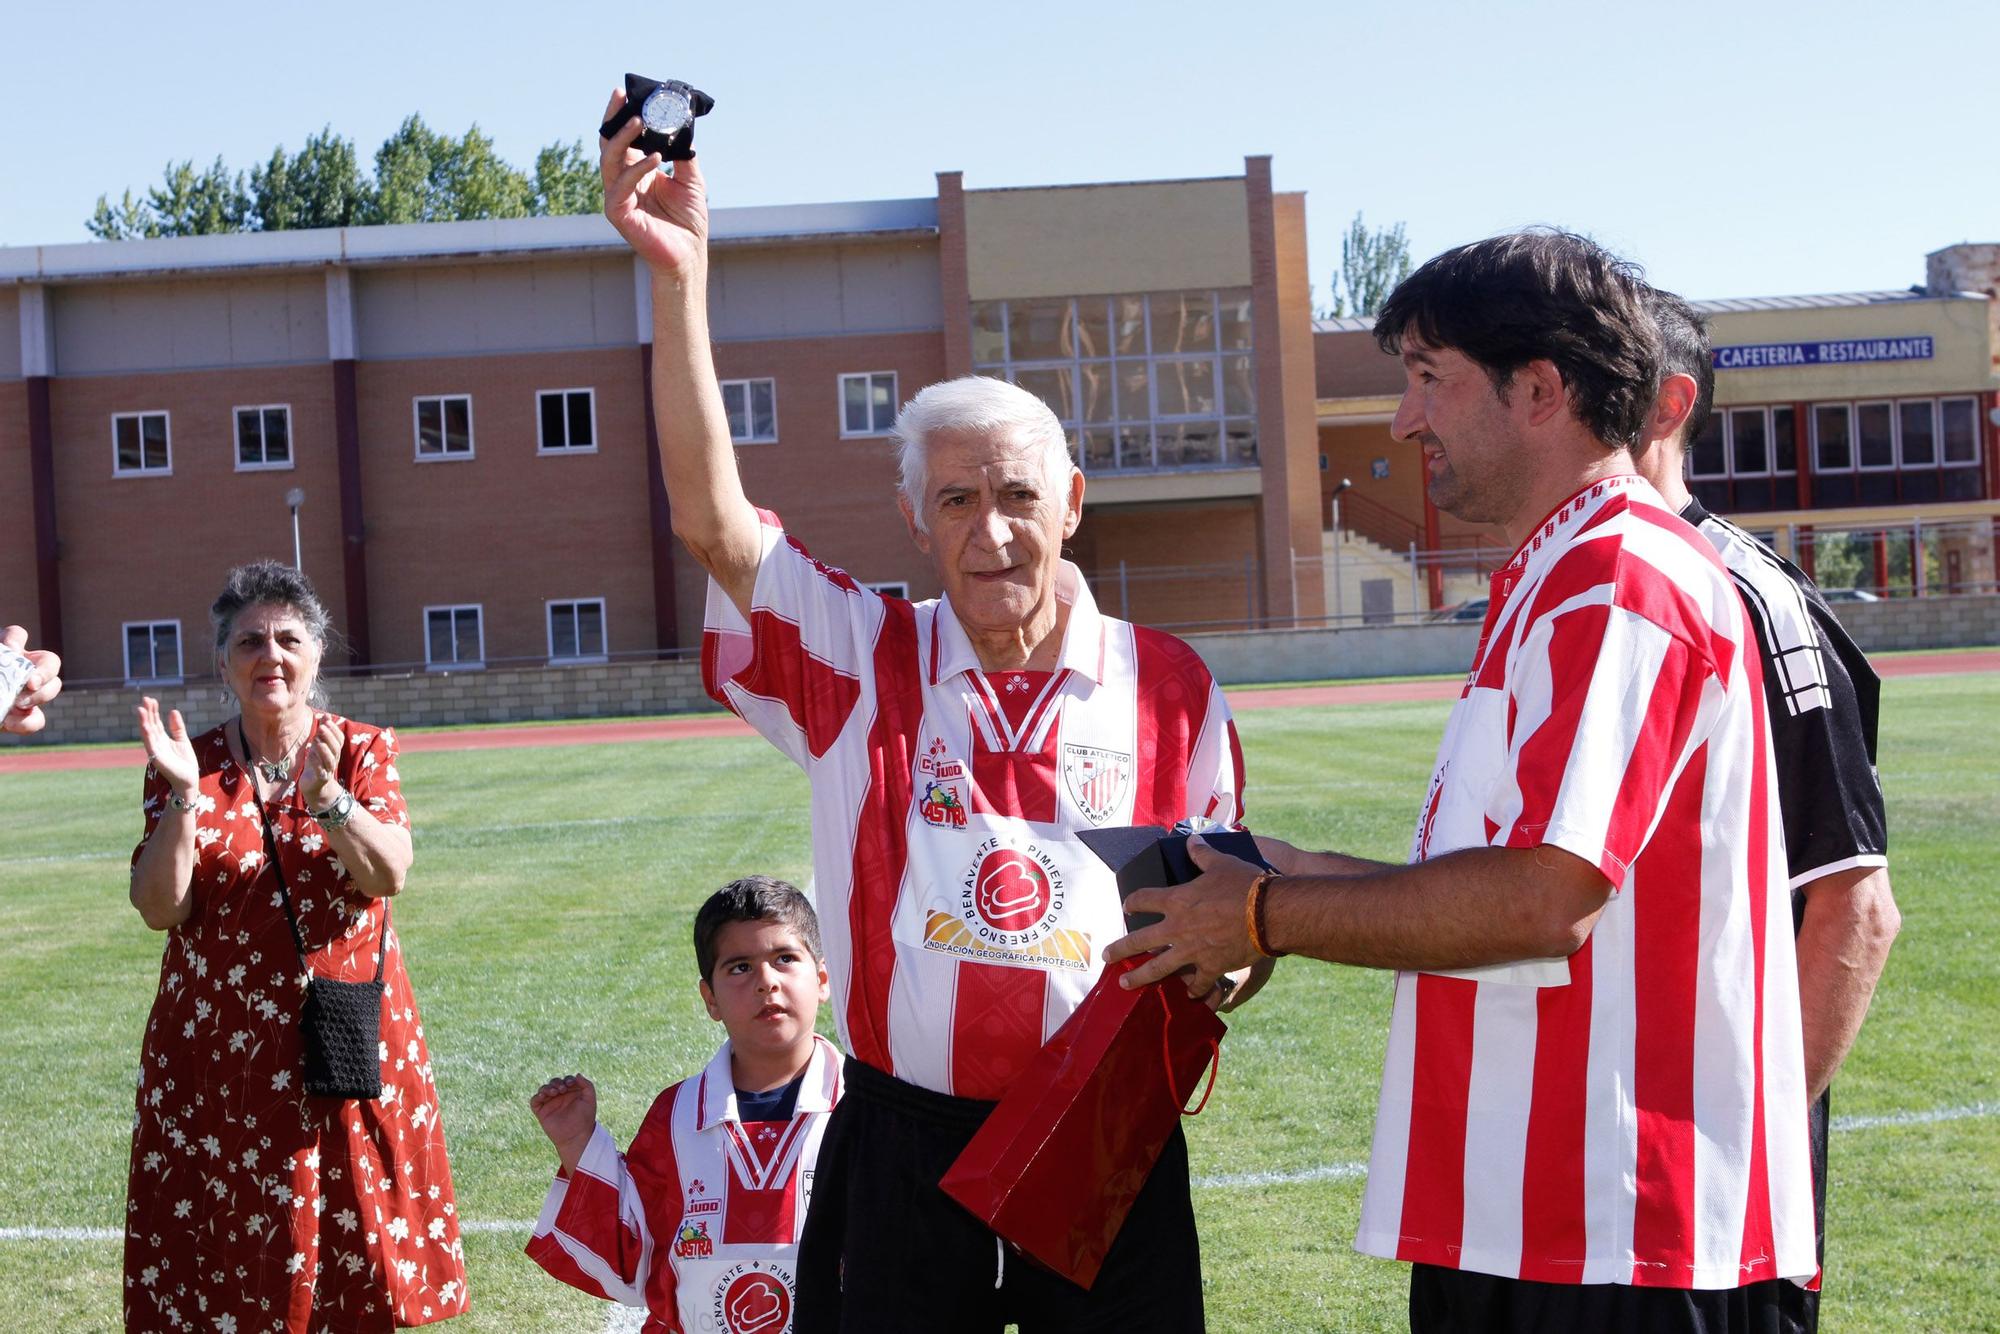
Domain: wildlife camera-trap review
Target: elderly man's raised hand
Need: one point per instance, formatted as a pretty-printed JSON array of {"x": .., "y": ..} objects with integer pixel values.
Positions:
[
  {"x": 23, "y": 714},
  {"x": 663, "y": 217}
]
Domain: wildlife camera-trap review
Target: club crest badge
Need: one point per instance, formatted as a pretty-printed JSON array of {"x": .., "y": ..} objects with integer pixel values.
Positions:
[
  {"x": 1096, "y": 780},
  {"x": 753, "y": 1298}
]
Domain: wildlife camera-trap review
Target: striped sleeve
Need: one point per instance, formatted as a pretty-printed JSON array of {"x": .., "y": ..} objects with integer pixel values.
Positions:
[
  {"x": 592, "y": 1232},
  {"x": 1603, "y": 702},
  {"x": 1215, "y": 775},
  {"x": 792, "y": 670}
]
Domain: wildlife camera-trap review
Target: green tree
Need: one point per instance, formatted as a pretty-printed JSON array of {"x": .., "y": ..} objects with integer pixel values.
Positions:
[
  {"x": 125, "y": 221},
  {"x": 188, "y": 203},
  {"x": 566, "y": 182},
  {"x": 420, "y": 176},
  {"x": 1372, "y": 262},
  {"x": 320, "y": 187}
]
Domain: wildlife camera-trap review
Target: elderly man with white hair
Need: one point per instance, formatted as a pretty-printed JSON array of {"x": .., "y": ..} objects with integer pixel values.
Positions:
[{"x": 956, "y": 749}]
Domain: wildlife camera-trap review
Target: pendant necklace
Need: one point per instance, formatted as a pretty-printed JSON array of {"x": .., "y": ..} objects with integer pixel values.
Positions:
[{"x": 274, "y": 772}]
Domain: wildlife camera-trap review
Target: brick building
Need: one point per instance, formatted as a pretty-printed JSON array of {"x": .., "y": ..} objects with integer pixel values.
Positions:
[
  {"x": 463, "y": 407},
  {"x": 1864, "y": 420}
]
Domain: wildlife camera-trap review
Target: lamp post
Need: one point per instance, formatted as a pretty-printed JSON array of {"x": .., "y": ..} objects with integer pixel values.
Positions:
[
  {"x": 295, "y": 498},
  {"x": 1339, "y": 586}
]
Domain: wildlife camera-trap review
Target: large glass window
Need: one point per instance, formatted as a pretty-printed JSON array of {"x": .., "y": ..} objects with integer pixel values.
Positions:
[
  {"x": 1164, "y": 380},
  {"x": 1833, "y": 437},
  {"x": 1876, "y": 432},
  {"x": 1916, "y": 424}
]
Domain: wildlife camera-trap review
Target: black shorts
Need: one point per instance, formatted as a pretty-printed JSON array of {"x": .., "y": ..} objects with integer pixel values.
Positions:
[
  {"x": 1463, "y": 1302},
  {"x": 885, "y": 1250}
]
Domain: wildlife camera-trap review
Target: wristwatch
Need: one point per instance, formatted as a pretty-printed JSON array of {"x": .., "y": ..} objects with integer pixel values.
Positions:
[{"x": 337, "y": 812}]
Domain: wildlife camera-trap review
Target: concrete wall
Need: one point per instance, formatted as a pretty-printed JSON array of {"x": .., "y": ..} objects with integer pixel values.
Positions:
[
  {"x": 650, "y": 687},
  {"x": 1911, "y": 623},
  {"x": 420, "y": 699},
  {"x": 470, "y": 309},
  {"x": 811, "y": 292}
]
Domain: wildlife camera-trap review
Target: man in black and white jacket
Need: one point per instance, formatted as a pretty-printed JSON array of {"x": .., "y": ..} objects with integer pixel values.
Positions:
[{"x": 1823, "y": 697}]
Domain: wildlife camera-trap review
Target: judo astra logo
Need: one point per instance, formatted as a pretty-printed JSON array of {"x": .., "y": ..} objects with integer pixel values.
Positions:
[
  {"x": 1011, "y": 892},
  {"x": 754, "y": 1302}
]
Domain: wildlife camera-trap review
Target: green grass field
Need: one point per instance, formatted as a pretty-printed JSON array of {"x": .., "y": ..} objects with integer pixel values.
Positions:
[{"x": 546, "y": 931}]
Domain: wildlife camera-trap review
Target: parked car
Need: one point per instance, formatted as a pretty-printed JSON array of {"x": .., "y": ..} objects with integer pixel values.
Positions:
[
  {"x": 1848, "y": 595},
  {"x": 1473, "y": 609}
]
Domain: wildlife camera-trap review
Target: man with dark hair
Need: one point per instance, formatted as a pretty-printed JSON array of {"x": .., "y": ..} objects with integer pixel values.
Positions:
[
  {"x": 1821, "y": 696},
  {"x": 1593, "y": 1104}
]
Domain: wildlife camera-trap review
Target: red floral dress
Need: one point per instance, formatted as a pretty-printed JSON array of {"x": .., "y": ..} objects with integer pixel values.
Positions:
[{"x": 254, "y": 1206}]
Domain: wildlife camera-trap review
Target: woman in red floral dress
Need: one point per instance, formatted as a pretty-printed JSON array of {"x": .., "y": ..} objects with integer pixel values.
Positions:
[{"x": 253, "y": 1205}]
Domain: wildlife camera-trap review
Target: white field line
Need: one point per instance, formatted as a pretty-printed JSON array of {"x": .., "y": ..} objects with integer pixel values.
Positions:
[{"x": 1223, "y": 1181}]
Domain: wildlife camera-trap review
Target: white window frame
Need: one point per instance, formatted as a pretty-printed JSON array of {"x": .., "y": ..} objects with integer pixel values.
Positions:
[
  {"x": 750, "y": 416},
  {"x": 1771, "y": 440},
  {"x": 125, "y": 652},
  {"x": 1729, "y": 443},
  {"x": 549, "y": 626},
  {"x": 165, "y": 471},
  {"x": 417, "y": 431},
  {"x": 1937, "y": 436},
  {"x": 478, "y": 610},
  {"x": 542, "y": 446},
  {"x": 840, "y": 403},
  {"x": 1853, "y": 445},
  {"x": 236, "y": 439},
  {"x": 1977, "y": 431},
  {"x": 890, "y": 588},
  {"x": 1720, "y": 416},
  {"x": 1895, "y": 435}
]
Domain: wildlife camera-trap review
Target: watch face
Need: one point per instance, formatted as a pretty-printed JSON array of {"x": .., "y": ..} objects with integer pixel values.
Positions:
[{"x": 667, "y": 111}]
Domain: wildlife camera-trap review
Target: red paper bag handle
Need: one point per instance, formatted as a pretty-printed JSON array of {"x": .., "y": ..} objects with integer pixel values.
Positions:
[{"x": 1167, "y": 1057}]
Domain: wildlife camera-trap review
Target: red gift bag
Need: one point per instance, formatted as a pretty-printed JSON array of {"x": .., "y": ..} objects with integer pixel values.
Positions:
[{"x": 1061, "y": 1157}]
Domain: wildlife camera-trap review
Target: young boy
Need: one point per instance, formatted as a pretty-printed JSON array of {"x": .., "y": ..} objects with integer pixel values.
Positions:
[{"x": 699, "y": 1221}]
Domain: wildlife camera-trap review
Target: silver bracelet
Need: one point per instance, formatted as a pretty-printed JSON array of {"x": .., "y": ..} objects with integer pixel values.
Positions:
[
  {"x": 337, "y": 813},
  {"x": 175, "y": 800}
]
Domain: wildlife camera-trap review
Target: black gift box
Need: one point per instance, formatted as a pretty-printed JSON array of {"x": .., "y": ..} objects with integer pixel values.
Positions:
[
  {"x": 1148, "y": 857},
  {"x": 675, "y": 147}
]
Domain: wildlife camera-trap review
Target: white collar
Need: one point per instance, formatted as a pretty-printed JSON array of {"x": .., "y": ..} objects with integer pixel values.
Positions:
[
  {"x": 951, "y": 650},
  {"x": 819, "y": 1087}
]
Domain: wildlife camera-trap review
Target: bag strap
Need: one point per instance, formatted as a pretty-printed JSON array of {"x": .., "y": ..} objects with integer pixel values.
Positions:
[
  {"x": 1167, "y": 1053},
  {"x": 278, "y": 868}
]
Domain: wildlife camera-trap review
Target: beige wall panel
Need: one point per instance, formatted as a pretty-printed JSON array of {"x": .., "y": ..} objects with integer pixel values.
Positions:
[
  {"x": 509, "y": 528},
  {"x": 765, "y": 293},
  {"x": 130, "y": 327},
  {"x": 1962, "y": 360},
  {"x": 1348, "y": 364},
  {"x": 462, "y": 309},
  {"x": 1106, "y": 238},
  {"x": 10, "y": 334},
  {"x": 156, "y": 548}
]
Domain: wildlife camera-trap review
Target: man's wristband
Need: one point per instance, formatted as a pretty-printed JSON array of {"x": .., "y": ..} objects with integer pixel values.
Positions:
[{"x": 1253, "y": 915}]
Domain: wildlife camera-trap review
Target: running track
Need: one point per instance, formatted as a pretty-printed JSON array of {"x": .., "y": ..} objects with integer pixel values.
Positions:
[{"x": 31, "y": 760}]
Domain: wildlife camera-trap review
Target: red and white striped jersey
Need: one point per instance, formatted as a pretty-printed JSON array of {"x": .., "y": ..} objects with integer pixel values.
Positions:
[
  {"x": 698, "y": 1222},
  {"x": 962, "y": 919},
  {"x": 1635, "y": 1113}
]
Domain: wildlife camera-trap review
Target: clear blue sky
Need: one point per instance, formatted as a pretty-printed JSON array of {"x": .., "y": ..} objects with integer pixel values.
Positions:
[{"x": 1735, "y": 150}]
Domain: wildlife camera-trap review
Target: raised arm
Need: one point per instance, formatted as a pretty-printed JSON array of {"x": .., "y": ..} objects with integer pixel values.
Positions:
[{"x": 665, "y": 219}]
